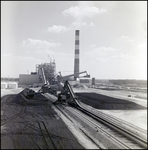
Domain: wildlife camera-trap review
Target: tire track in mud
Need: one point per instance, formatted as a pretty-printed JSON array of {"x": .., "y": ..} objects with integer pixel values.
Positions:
[
  {"x": 14, "y": 116},
  {"x": 7, "y": 102},
  {"x": 32, "y": 127}
]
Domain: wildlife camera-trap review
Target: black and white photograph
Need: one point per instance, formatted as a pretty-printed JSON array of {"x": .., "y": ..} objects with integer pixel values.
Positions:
[{"x": 73, "y": 74}]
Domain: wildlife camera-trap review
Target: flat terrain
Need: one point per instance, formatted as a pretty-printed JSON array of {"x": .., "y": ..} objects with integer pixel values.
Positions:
[{"x": 38, "y": 126}]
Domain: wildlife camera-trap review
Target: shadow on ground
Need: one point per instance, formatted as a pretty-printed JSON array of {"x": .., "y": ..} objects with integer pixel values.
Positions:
[{"x": 100, "y": 101}]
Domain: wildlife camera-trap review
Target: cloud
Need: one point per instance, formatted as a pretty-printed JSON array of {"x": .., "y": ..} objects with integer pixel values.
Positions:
[
  {"x": 100, "y": 53},
  {"x": 125, "y": 38},
  {"x": 142, "y": 54},
  {"x": 142, "y": 50},
  {"x": 121, "y": 58},
  {"x": 107, "y": 49},
  {"x": 26, "y": 59},
  {"x": 20, "y": 58},
  {"x": 58, "y": 29},
  {"x": 39, "y": 43},
  {"x": 80, "y": 12},
  {"x": 91, "y": 24},
  {"x": 111, "y": 56},
  {"x": 99, "y": 50},
  {"x": 92, "y": 46},
  {"x": 78, "y": 24}
]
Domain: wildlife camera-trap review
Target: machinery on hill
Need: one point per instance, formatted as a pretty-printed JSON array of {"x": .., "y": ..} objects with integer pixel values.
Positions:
[
  {"x": 57, "y": 83},
  {"x": 64, "y": 78},
  {"x": 57, "y": 86},
  {"x": 67, "y": 95}
]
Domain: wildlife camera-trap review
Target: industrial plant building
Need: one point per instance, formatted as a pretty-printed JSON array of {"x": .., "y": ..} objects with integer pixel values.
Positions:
[
  {"x": 46, "y": 71},
  {"x": 49, "y": 70},
  {"x": 43, "y": 72}
]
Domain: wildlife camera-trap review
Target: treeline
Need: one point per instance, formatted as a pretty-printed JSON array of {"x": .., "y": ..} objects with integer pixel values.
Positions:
[
  {"x": 129, "y": 81},
  {"x": 10, "y": 79}
]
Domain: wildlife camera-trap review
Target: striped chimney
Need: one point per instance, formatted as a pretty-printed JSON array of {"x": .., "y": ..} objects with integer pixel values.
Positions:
[{"x": 76, "y": 60}]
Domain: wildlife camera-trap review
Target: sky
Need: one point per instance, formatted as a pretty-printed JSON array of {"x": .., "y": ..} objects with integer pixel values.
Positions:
[{"x": 113, "y": 37}]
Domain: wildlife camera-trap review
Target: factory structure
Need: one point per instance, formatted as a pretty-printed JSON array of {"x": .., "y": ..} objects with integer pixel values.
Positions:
[{"x": 46, "y": 71}]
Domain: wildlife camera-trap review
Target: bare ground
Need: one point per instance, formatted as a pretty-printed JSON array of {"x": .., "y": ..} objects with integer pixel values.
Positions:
[
  {"x": 118, "y": 104},
  {"x": 100, "y": 101},
  {"x": 37, "y": 126},
  {"x": 33, "y": 126}
]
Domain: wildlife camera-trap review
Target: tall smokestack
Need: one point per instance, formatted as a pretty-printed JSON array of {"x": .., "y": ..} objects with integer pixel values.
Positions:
[{"x": 76, "y": 60}]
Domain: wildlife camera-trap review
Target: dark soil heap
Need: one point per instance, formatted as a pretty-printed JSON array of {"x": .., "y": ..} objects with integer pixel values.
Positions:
[
  {"x": 100, "y": 101},
  {"x": 33, "y": 125}
]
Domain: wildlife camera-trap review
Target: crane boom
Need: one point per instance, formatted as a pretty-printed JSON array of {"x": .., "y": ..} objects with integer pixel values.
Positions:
[{"x": 66, "y": 77}]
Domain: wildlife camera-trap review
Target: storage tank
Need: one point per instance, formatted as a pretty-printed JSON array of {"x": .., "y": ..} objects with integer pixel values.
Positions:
[
  {"x": 85, "y": 81},
  {"x": 93, "y": 81},
  {"x": 12, "y": 85},
  {"x": 3, "y": 85}
]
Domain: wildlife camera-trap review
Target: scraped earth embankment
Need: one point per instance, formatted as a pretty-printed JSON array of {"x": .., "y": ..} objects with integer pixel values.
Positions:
[{"x": 33, "y": 125}]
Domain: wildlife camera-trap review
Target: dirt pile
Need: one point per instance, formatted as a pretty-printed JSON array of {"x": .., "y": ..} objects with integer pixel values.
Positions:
[
  {"x": 22, "y": 99},
  {"x": 100, "y": 101},
  {"x": 33, "y": 126}
]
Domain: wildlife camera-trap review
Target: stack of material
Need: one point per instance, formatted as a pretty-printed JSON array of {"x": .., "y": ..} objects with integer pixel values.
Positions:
[
  {"x": 12, "y": 85},
  {"x": 3, "y": 85}
]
